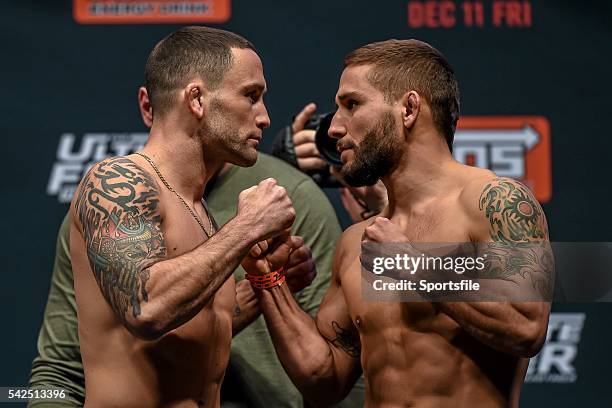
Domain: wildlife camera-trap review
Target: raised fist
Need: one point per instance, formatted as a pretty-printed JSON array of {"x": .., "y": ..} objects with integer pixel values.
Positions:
[
  {"x": 288, "y": 252},
  {"x": 382, "y": 230},
  {"x": 300, "y": 269},
  {"x": 266, "y": 209},
  {"x": 269, "y": 255}
]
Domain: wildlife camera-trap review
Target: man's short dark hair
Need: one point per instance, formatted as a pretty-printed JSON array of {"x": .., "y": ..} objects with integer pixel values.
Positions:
[
  {"x": 187, "y": 53},
  {"x": 399, "y": 66}
]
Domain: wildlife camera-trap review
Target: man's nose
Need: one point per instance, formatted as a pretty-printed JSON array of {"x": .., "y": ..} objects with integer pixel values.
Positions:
[
  {"x": 336, "y": 129},
  {"x": 262, "y": 120}
]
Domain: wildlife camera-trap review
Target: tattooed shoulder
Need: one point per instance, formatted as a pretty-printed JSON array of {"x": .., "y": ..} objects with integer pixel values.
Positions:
[
  {"x": 117, "y": 205},
  {"x": 518, "y": 249},
  {"x": 513, "y": 213}
]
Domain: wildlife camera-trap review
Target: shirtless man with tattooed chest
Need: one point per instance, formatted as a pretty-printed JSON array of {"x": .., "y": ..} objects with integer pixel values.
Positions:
[
  {"x": 153, "y": 279},
  {"x": 397, "y": 111}
]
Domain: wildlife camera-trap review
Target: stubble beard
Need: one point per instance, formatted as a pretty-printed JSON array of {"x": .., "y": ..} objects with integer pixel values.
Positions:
[
  {"x": 219, "y": 128},
  {"x": 375, "y": 156}
]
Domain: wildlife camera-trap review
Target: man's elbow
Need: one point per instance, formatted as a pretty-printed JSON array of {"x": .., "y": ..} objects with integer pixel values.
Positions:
[
  {"x": 530, "y": 338},
  {"x": 148, "y": 325},
  {"x": 322, "y": 386},
  {"x": 146, "y": 332}
]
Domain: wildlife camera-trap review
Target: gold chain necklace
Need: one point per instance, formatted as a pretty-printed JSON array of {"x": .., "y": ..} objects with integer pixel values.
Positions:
[{"x": 193, "y": 214}]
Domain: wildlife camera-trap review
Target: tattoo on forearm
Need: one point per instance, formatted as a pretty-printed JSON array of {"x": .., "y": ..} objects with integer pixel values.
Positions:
[
  {"x": 520, "y": 246},
  {"x": 117, "y": 205},
  {"x": 237, "y": 311},
  {"x": 346, "y": 340}
]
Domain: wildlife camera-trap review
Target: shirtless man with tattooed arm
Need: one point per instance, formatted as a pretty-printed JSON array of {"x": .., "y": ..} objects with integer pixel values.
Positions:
[
  {"x": 398, "y": 106},
  {"x": 153, "y": 280}
]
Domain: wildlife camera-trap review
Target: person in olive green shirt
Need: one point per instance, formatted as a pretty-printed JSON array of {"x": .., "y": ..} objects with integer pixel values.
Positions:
[{"x": 255, "y": 377}]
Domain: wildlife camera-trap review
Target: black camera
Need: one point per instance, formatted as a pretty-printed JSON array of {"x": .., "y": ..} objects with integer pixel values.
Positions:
[
  {"x": 325, "y": 144},
  {"x": 284, "y": 148},
  {"x": 327, "y": 148}
]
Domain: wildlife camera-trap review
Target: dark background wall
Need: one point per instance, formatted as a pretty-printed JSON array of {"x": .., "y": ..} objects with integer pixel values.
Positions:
[{"x": 61, "y": 77}]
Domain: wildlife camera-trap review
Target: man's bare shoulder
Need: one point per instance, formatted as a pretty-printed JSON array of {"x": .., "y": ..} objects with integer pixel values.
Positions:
[
  {"x": 503, "y": 209},
  {"x": 473, "y": 188},
  {"x": 116, "y": 209},
  {"x": 349, "y": 245},
  {"x": 117, "y": 183},
  {"x": 351, "y": 237}
]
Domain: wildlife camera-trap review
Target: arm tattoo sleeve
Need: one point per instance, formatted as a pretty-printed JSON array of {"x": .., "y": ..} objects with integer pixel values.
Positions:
[
  {"x": 519, "y": 235},
  {"x": 346, "y": 340},
  {"x": 117, "y": 206},
  {"x": 514, "y": 215}
]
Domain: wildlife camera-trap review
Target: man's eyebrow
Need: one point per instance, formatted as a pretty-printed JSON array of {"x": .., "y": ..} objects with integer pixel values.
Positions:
[
  {"x": 349, "y": 94},
  {"x": 258, "y": 86}
]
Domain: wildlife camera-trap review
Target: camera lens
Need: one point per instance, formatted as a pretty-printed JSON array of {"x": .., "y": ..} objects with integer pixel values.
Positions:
[{"x": 325, "y": 144}]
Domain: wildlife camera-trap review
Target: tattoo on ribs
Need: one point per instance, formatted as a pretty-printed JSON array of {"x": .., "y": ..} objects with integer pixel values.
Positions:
[
  {"x": 117, "y": 205},
  {"x": 520, "y": 248},
  {"x": 346, "y": 340}
]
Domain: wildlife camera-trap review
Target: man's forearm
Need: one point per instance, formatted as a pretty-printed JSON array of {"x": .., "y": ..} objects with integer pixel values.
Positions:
[
  {"x": 515, "y": 328},
  {"x": 244, "y": 316},
  {"x": 303, "y": 351},
  {"x": 247, "y": 307},
  {"x": 524, "y": 276},
  {"x": 178, "y": 288}
]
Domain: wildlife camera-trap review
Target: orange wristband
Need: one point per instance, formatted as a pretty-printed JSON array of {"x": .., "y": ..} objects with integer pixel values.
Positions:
[{"x": 267, "y": 281}]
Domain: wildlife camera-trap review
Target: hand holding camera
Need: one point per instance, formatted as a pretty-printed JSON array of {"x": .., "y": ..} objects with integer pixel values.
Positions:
[
  {"x": 306, "y": 145},
  {"x": 308, "y": 156}
]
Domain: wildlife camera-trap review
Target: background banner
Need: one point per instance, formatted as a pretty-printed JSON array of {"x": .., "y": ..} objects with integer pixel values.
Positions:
[{"x": 535, "y": 95}]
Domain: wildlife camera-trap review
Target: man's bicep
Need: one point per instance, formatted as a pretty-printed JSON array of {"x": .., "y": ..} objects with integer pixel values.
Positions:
[
  {"x": 334, "y": 318},
  {"x": 335, "y": 324},
  {"x": 117, "y": 209}
]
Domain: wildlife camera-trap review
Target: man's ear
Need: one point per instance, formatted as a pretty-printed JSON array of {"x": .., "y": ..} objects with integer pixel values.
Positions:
[
  {"x": 411, "y": 107},
  {"x": 194, "y": 97},
  {"x": 144, "y": 104}
]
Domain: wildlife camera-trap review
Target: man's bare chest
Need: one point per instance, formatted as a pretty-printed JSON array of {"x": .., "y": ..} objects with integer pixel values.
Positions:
[
  {"x": 181, "y": 230},
  {"x": 182, "y": 234},
  {"x": 369, "y": 314}
]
